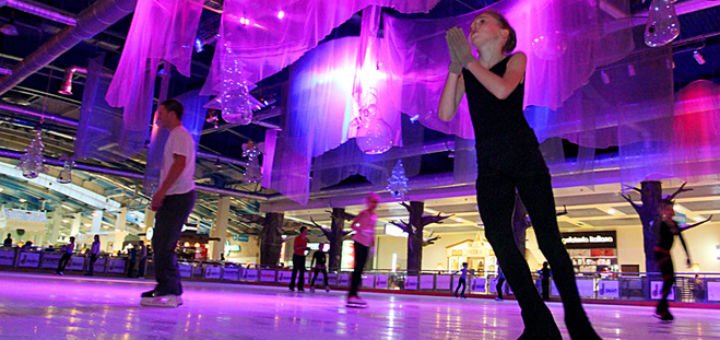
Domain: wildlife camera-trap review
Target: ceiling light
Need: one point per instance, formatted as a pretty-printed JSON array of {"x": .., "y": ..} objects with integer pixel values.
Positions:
[
  {"x": 699, "y": 57},
  {"x": 22, "y": 200},
  {"x": 280, "y": 14}
]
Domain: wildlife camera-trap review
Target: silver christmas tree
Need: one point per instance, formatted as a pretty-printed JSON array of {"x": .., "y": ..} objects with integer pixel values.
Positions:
[
  {"x": 398, "y": 182},
  {"x": 31, "y": 162}
]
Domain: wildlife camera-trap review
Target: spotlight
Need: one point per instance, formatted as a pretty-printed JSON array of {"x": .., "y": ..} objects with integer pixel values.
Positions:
[
  {"x": 699, "y": 57},
  {"x": 66, "y": 87},
  {"x": 280, "y": 14}
]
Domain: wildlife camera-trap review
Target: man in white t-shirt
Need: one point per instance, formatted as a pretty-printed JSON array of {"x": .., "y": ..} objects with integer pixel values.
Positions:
[{"x": 173, "y": 201}]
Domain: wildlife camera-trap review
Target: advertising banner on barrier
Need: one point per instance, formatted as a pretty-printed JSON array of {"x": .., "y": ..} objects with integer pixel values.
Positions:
[
  {"x": 251, "y": 275},
  {"x": 29, "y": 260},
  {"x": 344, "y": 280},
  {"x": 478, "y": 285},
  {"x": 267, "y": 275},
  {"x": 76, "y": 263},
  {"x": 284, "y": 276},
  {"x": 411, "y": 282},
  {"x": 49, "y": 260},
  {"x": 231, "y": 273},
  {"x": 586, "y": 287},
  {"x": 443, "y": 282},
  {"x": 713, "y": 291},
  {"x": 185, "y": 269},
  {"x": 99, "y": 266},
  {"x": 427, "y": 282},
  {"x": 656, "y": 291},
  {"x": 609, "y": 289},
  {"x": 7, "y": 257},
  {"x": 381, "y": 281},
  {"x": 213, "y": 272},
  {"x": 116, "y": 265},
  {"x": 368, "y": 281}
]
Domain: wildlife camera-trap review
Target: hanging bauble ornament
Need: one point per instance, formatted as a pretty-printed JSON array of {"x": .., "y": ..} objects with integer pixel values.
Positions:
[
  {"x": 398, "y": 182},
  {"x": 235, "y": 96},
  {"x": 550, "y": 46},
  {"x": 663, "y": 25},
  {"x": 65, "y": 175}
]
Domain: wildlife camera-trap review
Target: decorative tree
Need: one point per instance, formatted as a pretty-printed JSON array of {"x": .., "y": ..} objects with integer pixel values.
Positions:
[
  {"x": 414, "y": 229},
  {"x": 430, "y": 239},
  {"x": 398, "y": 182},
  {"x": 31, "y": 163},
  {"x": 253, "y": 171},
  {"x": 649, "y": 211}
]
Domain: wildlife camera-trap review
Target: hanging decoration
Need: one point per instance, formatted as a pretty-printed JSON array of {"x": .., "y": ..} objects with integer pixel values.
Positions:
[
  {"x": 253, "y": 171},
  {"x": 65, "y": 175},
  {"x": 235, "y": 96},
  {"x": 663, "y": 25},
  {"x": 373, "y": 134},
  {"x": 398, "y": 182},
  {"x": 31, "y": 162}
]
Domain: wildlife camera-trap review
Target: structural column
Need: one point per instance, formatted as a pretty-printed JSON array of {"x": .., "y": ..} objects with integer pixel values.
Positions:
[
  {"x": 415, "y": 238},
  {"x": 219, "y": 229},
  {"x": 336, "y": 239},
  {"x": 97, "y": 217},
  {"x": 75, "y": 227},
  {"x": 271, "y": 240}
]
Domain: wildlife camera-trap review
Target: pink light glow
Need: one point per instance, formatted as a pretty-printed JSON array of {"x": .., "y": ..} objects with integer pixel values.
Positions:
[{"x": 280, "y": 14}]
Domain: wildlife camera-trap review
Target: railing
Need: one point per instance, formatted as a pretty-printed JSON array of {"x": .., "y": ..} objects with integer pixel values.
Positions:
[{"x": 689, "y": 287}]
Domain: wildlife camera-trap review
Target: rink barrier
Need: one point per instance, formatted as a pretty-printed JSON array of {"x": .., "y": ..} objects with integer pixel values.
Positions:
[{"x": 692, "y": 288}]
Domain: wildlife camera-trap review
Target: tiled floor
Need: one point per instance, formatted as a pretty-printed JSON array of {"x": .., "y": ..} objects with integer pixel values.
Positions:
[{"x": 50, "y": 307}]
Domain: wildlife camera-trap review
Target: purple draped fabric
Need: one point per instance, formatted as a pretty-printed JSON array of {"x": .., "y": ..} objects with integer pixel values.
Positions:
[
  {"x": 160, "y": 30},
  {"x": 267, "y": 36}
]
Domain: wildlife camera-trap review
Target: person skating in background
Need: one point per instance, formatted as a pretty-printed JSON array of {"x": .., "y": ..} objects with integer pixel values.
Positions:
[
  {"x": 462, "y": 281},
  {"x": 318, "y": 264},
  {"x": 94, "y": 253},
  {"x": 665, "y": 231},
  {"x": 68, "y": 250},
  {"x": 499, "y": 284},
  {"x": 8, "y": 241},
  {"x": 364, "y": 227},
  {"x": 299, "y": 248},
  {"x": 545, "y": 275},
  {"x": 143, "y": 254}
]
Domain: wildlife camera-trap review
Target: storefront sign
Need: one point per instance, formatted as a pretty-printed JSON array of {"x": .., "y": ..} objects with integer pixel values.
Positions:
[
  {"x": 76, "y": 263},
  {"x": 213, "y": 272},
  {"x": 368, "y": 281},
  {"x": 185, "y": 269},
  {"x": 411, "y": 282},
  {"x": 231, "y": 273},
  {"x": 7, "y": 257},
  {"x": 586, "y": 240},
  {"x": 609, "y": 289},
  {"x": 49, "y": 260},
  {"x": 267, "y": 275},
  {"x": 656, "y": 291},
  {"x": 381, "y": 281},
  {"x": 443, "y": 282},
  {"x": 713, "y": 291},
  {"x": 116, "y": 265},
  {"x": 29, "y": 260},
  {"x": 241, "y": 238},
  {"x": 251, "y": 275},
  {"x": 427, "y": 281},
  {"x": 478, "y": 285}
]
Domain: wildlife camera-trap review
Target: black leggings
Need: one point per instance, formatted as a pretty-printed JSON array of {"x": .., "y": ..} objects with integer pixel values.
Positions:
[
  {"x": 316, "y": 271},
  {"x": 500, "y": 176},
  {"x": 361, "y": 255},
  {"x": 665, "y": 264},
  {"x": 499, "y": 286},
  {"x": 461, "y": 282}
]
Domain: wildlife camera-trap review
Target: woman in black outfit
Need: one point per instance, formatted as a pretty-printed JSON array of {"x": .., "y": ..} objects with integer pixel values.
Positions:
[
  {"x": 509, "y": 160},
  {"x": 665, "y": 231}
]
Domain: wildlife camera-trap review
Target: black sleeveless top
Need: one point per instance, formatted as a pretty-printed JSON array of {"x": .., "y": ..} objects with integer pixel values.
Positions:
[
  {"x": 499, "y": 125},
  {"x": 665, "y": 235}
]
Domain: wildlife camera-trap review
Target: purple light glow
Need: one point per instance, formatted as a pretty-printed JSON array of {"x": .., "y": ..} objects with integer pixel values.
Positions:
[{"x": 281, "y": 14}]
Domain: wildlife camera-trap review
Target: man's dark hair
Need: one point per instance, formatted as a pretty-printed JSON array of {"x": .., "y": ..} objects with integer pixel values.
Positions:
[
  {"x": 303, "y": 229},
  {"x": 173, "y": 105},
  {"x": 666, "y": 201}
]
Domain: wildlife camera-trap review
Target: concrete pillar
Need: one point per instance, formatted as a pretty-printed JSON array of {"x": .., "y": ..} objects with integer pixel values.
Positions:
[
  {"x": 121, "y": 220},
  {"x": 219, "y": 229},
  {"x": 75, "y": 227},
  {"x": 97, "y": 217}
]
